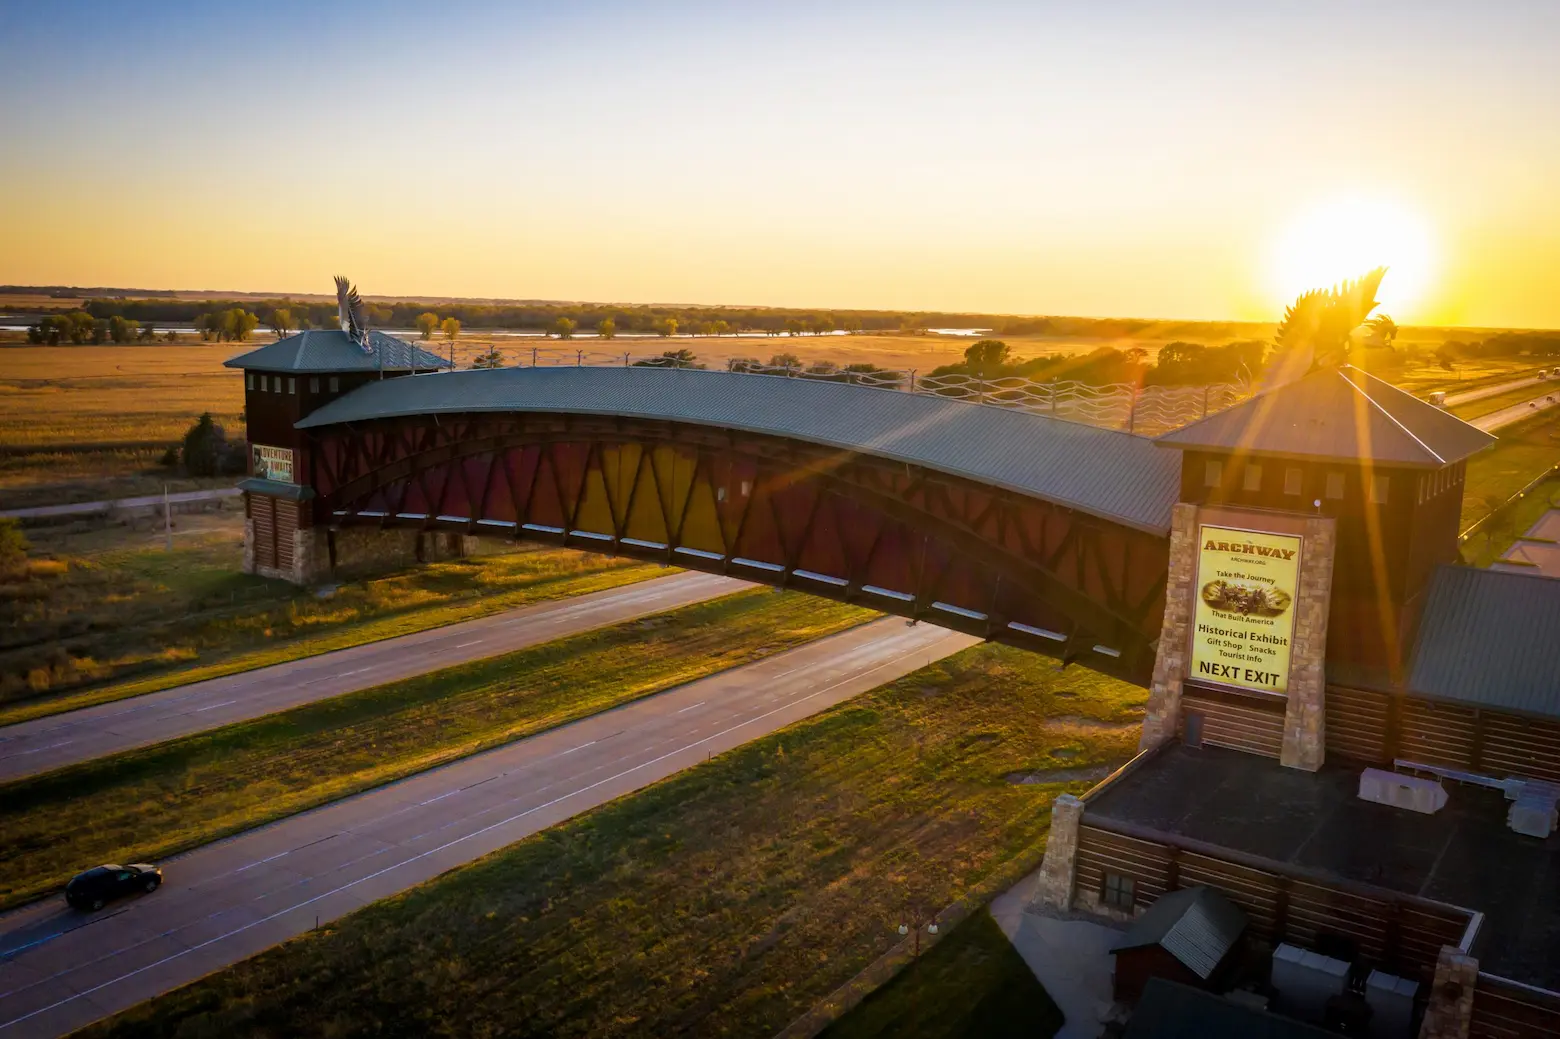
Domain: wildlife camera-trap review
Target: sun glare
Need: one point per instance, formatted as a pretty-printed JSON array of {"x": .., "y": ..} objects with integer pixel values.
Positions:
[{"x": 1345, "y": 238}]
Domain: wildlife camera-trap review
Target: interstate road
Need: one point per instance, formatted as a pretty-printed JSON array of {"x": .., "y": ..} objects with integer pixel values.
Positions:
[
  {"x": 60, "y": 970},
  {"x": 64, "y": 739},
  {"x": 1469, "y": 396},
  {"x": 1517, "y": 412}
]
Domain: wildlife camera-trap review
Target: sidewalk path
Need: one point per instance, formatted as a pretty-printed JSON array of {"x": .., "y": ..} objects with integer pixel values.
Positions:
[
  {"x": 57, "y": 740},
  {"x": 60, "y": 970},
  {"x": 150, "y": 501}
]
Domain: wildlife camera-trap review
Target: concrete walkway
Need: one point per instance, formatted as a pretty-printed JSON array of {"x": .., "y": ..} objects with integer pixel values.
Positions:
[{"x": 1070, "y": 957}]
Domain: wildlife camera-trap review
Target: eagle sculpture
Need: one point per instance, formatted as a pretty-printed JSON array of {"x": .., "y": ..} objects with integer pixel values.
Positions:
[{"x": 349, "y": 309}]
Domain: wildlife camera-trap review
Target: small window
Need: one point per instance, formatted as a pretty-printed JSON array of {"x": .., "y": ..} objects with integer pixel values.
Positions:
[
  {"x": 1294, "y": 480},
  {"x": 1117, "y": 892},
  {"x": 1335, "y": 485},
  {"x": 249, "y": 380},
  {"x": 276, "y": 384},
  {"x": 1213, "y": 473},
  {"x": 1378, "y": 488},
  {"x": 335, "y": 384},
  {"x": 1253, "y": 479},
  {"x": 314, "y": 384},
  {"x": 292, "y": 385}
]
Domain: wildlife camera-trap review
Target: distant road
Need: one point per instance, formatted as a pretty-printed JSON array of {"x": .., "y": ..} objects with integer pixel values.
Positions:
[
  {"x": 1517, "y": 412},
  {"x": 60, "y": 970},
  {"x": 57, "y": 740},
  {"x": 1469, "y": 396},
  {"x": 88, "y": 508}
]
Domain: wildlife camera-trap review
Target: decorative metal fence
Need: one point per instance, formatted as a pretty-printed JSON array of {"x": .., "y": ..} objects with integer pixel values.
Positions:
[{"x": 1146, "y": 410}]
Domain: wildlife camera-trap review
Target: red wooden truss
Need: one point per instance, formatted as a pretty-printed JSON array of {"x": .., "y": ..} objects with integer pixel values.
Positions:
[{"x": 848, "y": 526}]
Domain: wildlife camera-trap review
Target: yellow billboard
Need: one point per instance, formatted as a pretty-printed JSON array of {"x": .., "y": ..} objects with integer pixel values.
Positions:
[{"x": 1244, "y": 616}]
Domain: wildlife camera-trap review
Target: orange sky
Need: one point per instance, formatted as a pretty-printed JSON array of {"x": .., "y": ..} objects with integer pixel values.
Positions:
[{"x": 997, "y": 158}]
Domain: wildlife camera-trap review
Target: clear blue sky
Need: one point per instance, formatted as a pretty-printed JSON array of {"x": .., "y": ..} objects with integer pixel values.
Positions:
[{"x": 1106, "y": 158}]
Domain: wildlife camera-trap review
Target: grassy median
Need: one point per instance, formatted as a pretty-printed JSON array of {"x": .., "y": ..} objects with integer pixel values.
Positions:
[
  {"x": 726, "y": 900},
  {"x": 148, "y": 803},
  {"x": 76, "y": 631}
]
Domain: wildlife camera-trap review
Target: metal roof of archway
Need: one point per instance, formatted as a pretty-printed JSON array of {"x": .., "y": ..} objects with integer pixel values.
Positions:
[{"x": 1107, "y": 473}]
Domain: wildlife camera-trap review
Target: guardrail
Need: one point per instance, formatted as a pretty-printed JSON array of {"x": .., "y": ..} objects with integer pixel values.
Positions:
[{"x": 1146, "y": 410}]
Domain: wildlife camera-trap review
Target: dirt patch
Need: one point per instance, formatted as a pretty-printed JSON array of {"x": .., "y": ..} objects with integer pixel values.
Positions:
[{"x": 1090, "y": 773}]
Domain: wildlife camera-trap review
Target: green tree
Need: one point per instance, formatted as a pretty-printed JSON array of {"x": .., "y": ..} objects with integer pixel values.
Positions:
[
  {"x": 823, "y": 325},
  {"x": 563, "y": 327},
  {"x": 123, "y": 329},
  {"x": 793, "y": 326},
  {"x": 205, "y": 449},
  {"x": 148, "y": 333},
  {"x": 851, "y": 325},
  {"x": 13, "y": 549},
  {"x": 450, "y": 326},
  {"x": 427, "y": 324},
  {"x": 607, "y": 328},
  {"x": 237, "y": 324},
  {"x": 282, "y": 322},
  {"x": 683, "y": 358},
  {"x": 82, "y": 327},
  {"x": 786, "y": 360},
  {"x": 666, "y": 327},
  {"x": 491, "y": 359},
  {"x": 987, "y": 357}
]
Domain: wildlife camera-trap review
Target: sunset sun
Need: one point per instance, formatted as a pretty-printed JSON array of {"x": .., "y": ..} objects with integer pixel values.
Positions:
[{"x": 1344, "y": 238}]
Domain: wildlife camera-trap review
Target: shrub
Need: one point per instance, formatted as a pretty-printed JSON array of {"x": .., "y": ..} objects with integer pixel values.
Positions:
[{"x": 13, "y": 549}]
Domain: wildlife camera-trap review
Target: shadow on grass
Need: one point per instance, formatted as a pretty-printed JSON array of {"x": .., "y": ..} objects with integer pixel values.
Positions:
[{"x": 971, "y": 985}]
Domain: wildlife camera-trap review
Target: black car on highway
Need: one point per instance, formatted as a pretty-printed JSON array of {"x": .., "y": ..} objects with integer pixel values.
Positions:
[{"x": 101, "y": 884}]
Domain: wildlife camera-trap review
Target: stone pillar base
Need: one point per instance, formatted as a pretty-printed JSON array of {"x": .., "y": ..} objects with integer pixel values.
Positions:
[
  {"x": 1449, "y": 1011},
  {"x": 1055, "y": 890},
  {"x": 1163, "y": 713}
]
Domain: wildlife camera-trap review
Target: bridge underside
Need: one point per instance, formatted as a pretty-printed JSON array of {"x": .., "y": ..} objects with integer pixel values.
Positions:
[{"x": 844, "y": 525}]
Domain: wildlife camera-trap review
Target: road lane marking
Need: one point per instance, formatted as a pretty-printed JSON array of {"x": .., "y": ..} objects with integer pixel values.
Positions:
[
  {"x": 214, "y": 706},
  {"x": 690, "y": 707}
]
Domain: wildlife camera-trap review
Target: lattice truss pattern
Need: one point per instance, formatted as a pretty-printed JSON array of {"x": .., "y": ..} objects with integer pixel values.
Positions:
[
  {"x": 1149, "y": 410},
  {"x": 894, "y": 537}
]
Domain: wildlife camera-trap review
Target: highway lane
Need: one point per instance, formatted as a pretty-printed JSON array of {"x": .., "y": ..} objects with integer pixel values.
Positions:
[
  {"x": 1497, "y": 420},
  {"x": 60, "y": 970},
  {"x": 52, "y": 742},
  {"x": 1483, "y": 392}
]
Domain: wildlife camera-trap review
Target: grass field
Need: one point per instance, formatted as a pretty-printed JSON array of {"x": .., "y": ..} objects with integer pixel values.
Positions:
[
  {"x": 145, "y": 804},
  {"x": 971, "y": 985},
  {"x": 726, "y": 900},
  {"x": 1523, "y": 452},
  {"x": 121, "y": 616}
]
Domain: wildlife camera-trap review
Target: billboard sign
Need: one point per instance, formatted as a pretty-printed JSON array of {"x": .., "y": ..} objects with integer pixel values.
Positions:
[
  {"x": 1243, "y": 620},
  {"x": 272, "y": 463}
]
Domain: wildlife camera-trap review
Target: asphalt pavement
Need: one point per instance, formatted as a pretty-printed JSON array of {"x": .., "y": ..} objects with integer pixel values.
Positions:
[
  {"x": 1517, "y": 412},
  {"x": 60, "y": 970},
  {"x": 64, "y": 739}
]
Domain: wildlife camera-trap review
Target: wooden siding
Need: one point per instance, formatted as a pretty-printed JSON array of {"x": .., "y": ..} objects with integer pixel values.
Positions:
[
  {"x": 286, "y": 527},
  {"x": 1239, "y": 723},
  {"x": 1357, "y": 723},
  {"x": 1145, "y": 863},
  {"x": 1517, "y": 746},
  {"x": 1404, "y": 937},
  {"x": 262, "y": 511},
  {"x": 1504, "y": 1010},
  {"x": 1437, "y": 734}
]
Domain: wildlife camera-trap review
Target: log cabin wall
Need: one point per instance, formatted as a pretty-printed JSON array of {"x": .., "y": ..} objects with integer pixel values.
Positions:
[
  {"x": 1250, "y": 723},
  {"x": 1374, "y": 728},
  {"x": 1506, "y": 1010},
  {"x": 1403, "y": 936}
]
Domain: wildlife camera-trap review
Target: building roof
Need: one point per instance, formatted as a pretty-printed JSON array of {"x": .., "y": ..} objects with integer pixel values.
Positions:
[
  {"x": 1103, "y": 472},
  {"x": 1196, "y": 925},
  {"x": 1337, "y": 414},
  {"x": 1490, "y": 638},
  {"x": 1173, "y": 1011},
  {"x": 330, "y": 350},
  {"x": 1314, "y": 825}
]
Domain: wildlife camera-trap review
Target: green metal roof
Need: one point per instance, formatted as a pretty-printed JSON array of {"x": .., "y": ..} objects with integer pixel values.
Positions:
[
  {"x": 1103, "y": 472},
  {"x": 1337, "y": 414},
  {"x": 331, "y": 350},
  {"x": 1490, "y": 638},
  {"x": 1196, "y": 925}
]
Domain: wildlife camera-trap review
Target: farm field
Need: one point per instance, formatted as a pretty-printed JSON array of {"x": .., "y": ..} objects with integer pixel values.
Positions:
[
  {"x": 148, "y": 803},
  {"x": 111, "y": 613},
  {"x": 734, "y": 895}
]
